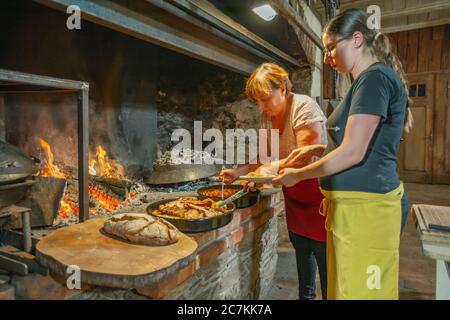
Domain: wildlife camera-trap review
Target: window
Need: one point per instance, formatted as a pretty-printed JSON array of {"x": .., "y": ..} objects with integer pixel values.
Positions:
[
  {"x": 422, "y": 88},
  {"x": 413, "y": 90}
]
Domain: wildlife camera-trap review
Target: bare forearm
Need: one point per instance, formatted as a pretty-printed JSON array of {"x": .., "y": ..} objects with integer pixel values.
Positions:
[
  {"x": 334, "y": 162},
  {"x": 243, "y": 170},
  {"x": 303, "y": 156}
]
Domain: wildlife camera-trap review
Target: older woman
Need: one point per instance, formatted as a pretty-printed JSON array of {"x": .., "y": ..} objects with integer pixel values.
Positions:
[{"x": 301, "y": 123}]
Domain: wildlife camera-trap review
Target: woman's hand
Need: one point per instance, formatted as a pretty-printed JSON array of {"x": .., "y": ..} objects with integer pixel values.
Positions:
[
  {"x": 229, "y": 175},
  {"x": 288, "y": 177},
  {"x": 302, "y": 156}
]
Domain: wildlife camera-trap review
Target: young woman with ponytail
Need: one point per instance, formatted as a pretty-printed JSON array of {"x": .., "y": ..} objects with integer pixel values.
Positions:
[{"x": 358, "y": 169}]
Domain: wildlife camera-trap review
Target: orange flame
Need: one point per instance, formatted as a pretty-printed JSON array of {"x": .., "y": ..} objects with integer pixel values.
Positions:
[
  {"x": 49, "y": 169},
  {"x": 103, "y": 166}
]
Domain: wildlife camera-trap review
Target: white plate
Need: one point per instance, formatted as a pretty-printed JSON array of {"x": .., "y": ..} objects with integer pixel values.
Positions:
[{"x": 264, "y": 179}]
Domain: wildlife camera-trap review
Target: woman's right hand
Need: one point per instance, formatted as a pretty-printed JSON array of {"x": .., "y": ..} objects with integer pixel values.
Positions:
[
  {"x": 302, "y": 156},
  {"x": 229, "y": 175}
]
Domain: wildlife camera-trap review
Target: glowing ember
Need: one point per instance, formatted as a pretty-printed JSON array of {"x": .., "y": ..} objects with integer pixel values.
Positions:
[
  {"x": 105, "y": 200},
  {"x": 67, "y": 208},
  {"x": 48, "y": 168}
]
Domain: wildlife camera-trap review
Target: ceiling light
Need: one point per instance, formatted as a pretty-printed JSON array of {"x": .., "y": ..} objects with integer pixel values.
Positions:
[{"x": 265, "y": 11}]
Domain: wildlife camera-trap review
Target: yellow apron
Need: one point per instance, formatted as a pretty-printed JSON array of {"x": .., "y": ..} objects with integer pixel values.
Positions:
[{"x": 363, "y": 238}]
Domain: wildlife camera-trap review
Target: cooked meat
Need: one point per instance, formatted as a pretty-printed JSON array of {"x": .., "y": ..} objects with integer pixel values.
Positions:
[{"x": 190, "y": 208}]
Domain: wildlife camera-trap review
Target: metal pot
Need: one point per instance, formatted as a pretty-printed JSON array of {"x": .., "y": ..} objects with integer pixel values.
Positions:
[
  {"x": 195, "y": 225},
  {"x": 246, "y": 201},
  {"x": 171, "y": 174},
  {"x": 13, "y": 193},
  {"x": 15, "y": 166}
]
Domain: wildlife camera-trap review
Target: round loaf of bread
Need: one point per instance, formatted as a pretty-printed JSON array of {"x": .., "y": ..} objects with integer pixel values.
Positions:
[{"x": 142, "y": 228}]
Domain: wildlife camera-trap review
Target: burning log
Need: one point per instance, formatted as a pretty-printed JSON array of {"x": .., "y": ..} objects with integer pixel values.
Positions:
[
  {"x": 119, "y": 187},
  {"x": 44, "y": 201}
]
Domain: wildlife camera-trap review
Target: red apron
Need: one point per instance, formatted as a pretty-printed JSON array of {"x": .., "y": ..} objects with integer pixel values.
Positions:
[{"x": 302, "y": 202}]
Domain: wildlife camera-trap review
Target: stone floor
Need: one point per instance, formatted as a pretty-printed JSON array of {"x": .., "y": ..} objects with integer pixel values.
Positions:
[{"x": 417, "y": 272}]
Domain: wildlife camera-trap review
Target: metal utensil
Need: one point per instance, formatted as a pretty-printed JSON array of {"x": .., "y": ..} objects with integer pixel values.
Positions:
[
  {"x": 438, "y": 227},
  {"x": 234, "y": 197}
]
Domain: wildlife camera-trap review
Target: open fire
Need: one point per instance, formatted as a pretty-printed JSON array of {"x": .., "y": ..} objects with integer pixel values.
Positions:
[
  {"x": 105, "y": 167},
  {"x": 100, "y": 200}
]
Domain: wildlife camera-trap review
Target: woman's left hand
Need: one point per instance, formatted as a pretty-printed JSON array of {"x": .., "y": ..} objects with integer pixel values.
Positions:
[{"x": 287, "y": 177}]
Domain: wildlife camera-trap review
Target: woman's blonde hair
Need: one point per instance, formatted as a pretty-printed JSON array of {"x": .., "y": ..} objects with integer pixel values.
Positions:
[{"x": 266, "y": 78}]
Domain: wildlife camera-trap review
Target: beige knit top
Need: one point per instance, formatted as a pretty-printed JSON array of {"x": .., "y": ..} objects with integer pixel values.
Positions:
[{"x": 303, "y": 111}]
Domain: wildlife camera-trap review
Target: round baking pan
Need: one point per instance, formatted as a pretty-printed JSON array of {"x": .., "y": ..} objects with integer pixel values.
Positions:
[
  {"x": 194, "y": 225},
  {"x": 248, "y": 200}
]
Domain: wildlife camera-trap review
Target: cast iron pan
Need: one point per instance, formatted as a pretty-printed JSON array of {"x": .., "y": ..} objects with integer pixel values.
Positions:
[
  {"x": 250, "y": 199},
  {"x": 195, "y": 225}
]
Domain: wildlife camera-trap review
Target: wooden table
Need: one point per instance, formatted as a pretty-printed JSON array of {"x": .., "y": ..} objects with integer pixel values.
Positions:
[
  {"x": 109, "y": 261},
  {"x": 435, "y": 244}
]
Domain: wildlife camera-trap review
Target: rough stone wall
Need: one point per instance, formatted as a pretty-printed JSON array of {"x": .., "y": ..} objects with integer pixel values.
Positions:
[{"x": 243, "y": 272}]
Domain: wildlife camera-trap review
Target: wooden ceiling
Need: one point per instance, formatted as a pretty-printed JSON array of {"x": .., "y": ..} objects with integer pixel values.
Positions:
[{"x": 401, "y": 15}]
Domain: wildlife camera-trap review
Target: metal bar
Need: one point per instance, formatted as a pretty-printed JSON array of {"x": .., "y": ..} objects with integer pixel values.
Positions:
[
  {"x": 13, "y": 266},
  {"x": 26, "y": 229},
  {"x": 83, "y": 155},
  {"x": 13, "y": 253},
  {"x": 26, "y": 78},
  {"x": 165, "y": 29},
  {"x": 30, "y": 89}
]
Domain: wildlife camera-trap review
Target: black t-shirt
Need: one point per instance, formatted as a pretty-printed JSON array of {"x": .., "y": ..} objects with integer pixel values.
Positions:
[{"x": 378, "y": 90}]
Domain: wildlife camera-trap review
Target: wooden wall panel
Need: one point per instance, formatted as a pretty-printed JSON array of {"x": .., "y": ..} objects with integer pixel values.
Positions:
[
  {"x": 402, "y": 47},
  {"x": 413, "y": 48},
  {"x": 445, "y": 58},
  {"x": 425, "y": 49},
  {"x": 436, "y": 48},
  {"x": 441, "y": 153},
  {"x": 393, "y": 39}
]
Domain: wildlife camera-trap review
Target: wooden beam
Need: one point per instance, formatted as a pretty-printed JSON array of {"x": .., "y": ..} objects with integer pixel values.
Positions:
[
  {"x": 349, "y": 4},
  {"x": 424, "y": 8},
  {"x": 416, "y": 10},
  {"x": 414, "y": 26}
]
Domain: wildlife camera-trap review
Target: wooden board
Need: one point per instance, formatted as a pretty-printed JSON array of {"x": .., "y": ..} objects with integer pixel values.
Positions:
[
  {"x": 109, "y": 261},
  {"x": 426, "y": 214}
]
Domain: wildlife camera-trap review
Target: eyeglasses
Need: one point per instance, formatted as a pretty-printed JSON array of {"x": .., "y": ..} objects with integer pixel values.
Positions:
[{"x": 327, "y": 50}]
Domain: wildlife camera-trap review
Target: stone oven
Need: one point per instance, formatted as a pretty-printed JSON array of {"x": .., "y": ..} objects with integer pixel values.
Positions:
[{"x": 138, "y": 70}]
